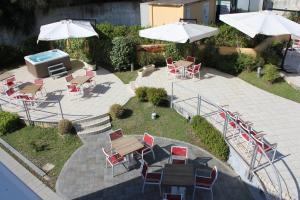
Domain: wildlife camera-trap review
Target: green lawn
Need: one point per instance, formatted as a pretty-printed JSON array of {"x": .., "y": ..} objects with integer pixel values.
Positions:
[
  {"x": 58, "y": 149},
  {"x": 281, "y": 88},
  {"x": 127, "y": 76},
  {"x": 169, "y": 123}
]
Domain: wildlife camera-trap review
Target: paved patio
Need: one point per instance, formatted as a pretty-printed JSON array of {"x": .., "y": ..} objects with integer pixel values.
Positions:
[
  {"x": 108, "y": 90},
  {"x": 277, "y": 117},
  {"x": 84, "y": 176}
]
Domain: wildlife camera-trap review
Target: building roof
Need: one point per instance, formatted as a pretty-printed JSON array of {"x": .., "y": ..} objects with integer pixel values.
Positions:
[{"x": 173, "y": 2}]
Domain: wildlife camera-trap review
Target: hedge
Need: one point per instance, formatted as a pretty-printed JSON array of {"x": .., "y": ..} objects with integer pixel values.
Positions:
[
  {"x": 211, "y": 138},
  {"x": 9, "y": 122}
]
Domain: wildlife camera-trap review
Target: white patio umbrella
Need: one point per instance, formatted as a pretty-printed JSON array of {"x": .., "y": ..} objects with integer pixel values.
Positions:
[
  {"x": 179, "y": 32},
  {"x": 66, "y": 29},
  {"x": 262, "y": 22}
]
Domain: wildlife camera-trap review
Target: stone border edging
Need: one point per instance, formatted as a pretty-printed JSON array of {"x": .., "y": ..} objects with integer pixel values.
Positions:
[{"x": 32, "y": 166}]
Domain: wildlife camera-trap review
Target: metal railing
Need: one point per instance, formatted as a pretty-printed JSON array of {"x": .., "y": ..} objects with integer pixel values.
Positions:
[
  {"x": 190, "y": 103},
  {"x": 25, "y": 108}
]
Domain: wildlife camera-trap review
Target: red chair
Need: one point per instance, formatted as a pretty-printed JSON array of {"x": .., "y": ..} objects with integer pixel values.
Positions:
[
  {"x": 69, "y": 78},
  {"x": 168, "y": 196},
  {"x": 179, "y": 155},
  {"x": 151, "y": 178},
  {"x": 148, "y": 141},
  {"x": 116, "y": 134},
  {"x": 194, "y": 70},
  {"x": 40, "y": 82},
  {"x": 113, "y": 160},
  {"x": 91, "y": 75},
  {"x": 265, "y": 146},
  {"x": 206, "y": 183},
  {"x": 171, "y": 68},
  {"x": 73, "y": 89},
  {"x": 191, "y": 59},
  {"x": 10, "y": 82}
]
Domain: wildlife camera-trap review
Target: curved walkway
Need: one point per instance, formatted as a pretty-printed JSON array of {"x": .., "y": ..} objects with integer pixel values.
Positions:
[
  {"x": 84, "y": 176},
  {"x": 96, "y": 101},
  {"x": 277, "y": 117}
]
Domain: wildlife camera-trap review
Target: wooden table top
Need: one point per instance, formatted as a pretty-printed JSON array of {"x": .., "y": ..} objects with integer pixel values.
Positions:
[
  {"x": 5, "y": 75},
  {"x": 183, "y": 63},
  {"x": 126, "y": 145},
  {"x": 178, "y": 175},
  {"x": 29, "y": 88},
  {"x": 79, "y": 80}
]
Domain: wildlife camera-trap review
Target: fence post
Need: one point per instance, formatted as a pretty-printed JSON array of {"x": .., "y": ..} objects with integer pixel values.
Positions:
[
  {"x": 252, "y": 162},
  {"x": 172, "y": 93},
  {"x": 27, "y": 112},
  {"x": 60, "y": 109},
  {"x": 199, "y": 105},
  {"x": 225, "y": 125}
]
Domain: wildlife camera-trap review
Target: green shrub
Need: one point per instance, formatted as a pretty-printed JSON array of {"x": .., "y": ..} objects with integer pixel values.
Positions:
[
  {"x": 141, "y": 93},
  {"x": 65, "y": 126},
  {"x": 116, "y": 111},
  {"x": 247, "y": 62},
  {"x": 9, "y": 122},
  {"x": 210, "y": 137},
  {"x": 39, "y": 145},
  {"x": 123, "y": 52},
  {"x": 271, "y": 73},
  {"x": 147, "y": 58},
  {"x": 156, "y": 95},
  {"x": 173, "y": 51}
]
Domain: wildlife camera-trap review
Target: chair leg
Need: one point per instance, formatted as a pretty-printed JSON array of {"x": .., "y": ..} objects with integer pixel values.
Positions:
[
  {"x": 153, "y": 155},
  {"x": 212, "y": 194},
  {"x": 112, "y": 169},
  {"x": 159, "y": 189},
  {"x": 143, "y": 189}
]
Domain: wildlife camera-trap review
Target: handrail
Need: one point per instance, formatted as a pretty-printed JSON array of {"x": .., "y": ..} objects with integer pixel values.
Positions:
[{"x": 207, "y": 101}]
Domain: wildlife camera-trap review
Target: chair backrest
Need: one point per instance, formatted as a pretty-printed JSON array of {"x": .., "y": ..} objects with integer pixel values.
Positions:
[
  {"x": 243, "y": 125},
  {"x": 105, "y": 153},
  {"x": 89, "y": 73},
  {"x": 144, "y": 170},
  {"x": 197, "y": 67},
  {"x": 179, "y": 151},
  {"x": 173, "y": 196},
  {"x": 69, "y": 77},
  {"x": 169, "y": 61},
  {"x": 148, "y": 139},
  {"x": 214, "y": 175},
  {"x": 11, "y": 79},
  {"x": 190, "y": 59},
  {"x": 116, "y": 134},
  {"x": 10, "y": 92},
  {"x": 39, "y": 81}
]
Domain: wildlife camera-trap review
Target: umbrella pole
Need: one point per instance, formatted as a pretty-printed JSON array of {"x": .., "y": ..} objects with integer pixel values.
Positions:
[{"x": 285, "y": 53}]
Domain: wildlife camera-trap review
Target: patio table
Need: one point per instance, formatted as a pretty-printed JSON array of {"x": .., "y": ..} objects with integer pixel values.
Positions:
[
  {"x": 5, "y": 76},
  {"x": 125, "y": 146},
  {"x": 178, "y": 175},
  {"x": 183, "y": 64},
  {"x": 29, "y": 88},
  {"x": 80, "y": 80}
]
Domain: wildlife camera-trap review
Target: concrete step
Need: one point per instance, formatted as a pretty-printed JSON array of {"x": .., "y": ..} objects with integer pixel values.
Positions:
[
  {"x": 92, "y": 123},
  {"x": 95, "y": 130},
  {"x": 86, "y": 120}
]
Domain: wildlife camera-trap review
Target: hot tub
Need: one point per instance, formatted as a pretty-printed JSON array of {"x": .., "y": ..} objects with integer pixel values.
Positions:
[{"x": 38, "y": 64}]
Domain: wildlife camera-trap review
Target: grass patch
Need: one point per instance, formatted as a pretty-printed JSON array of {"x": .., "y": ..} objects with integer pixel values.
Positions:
[
  {"x": 127, "y": 76},
  {"x": 169, "y": 124},
  {"x": 280, "y": 88},
  {"x": 56, "y": 149}
]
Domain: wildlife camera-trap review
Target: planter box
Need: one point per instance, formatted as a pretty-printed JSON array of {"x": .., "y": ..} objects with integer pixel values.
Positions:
[{"x": 146, "y": 71}]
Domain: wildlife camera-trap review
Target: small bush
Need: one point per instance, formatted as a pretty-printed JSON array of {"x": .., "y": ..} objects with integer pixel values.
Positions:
[
  {"x": 116, "y": 111},
  {"x": 146, "y": 58},
  {"x": 210, "y": 137},
  {"x": 156, "y": 95},
  {"x": 271, "y": 73},
  {"x": 39, "y": 145},
  {"x": 173, "y": 51},
  {"x": 65, "y": 126},
  {"x": 9, "y": 122},
  {"x": 141, "y": 93},
  {"x": 123, "y": 52},
  {"x": 247, "y": 62}
]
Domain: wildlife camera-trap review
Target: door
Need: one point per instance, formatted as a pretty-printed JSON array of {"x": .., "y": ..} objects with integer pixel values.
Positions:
[{"x": 205, "y": 13}]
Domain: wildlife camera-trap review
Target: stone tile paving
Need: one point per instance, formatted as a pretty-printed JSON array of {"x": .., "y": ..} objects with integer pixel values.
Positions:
[
  {"x": 277, "y": 117},
  {"x": 108, "y": 90},
  {"x": 292, "y": 79},
  {"x": 27, "y": 178},
  {"x": 84, "y": 176}
]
